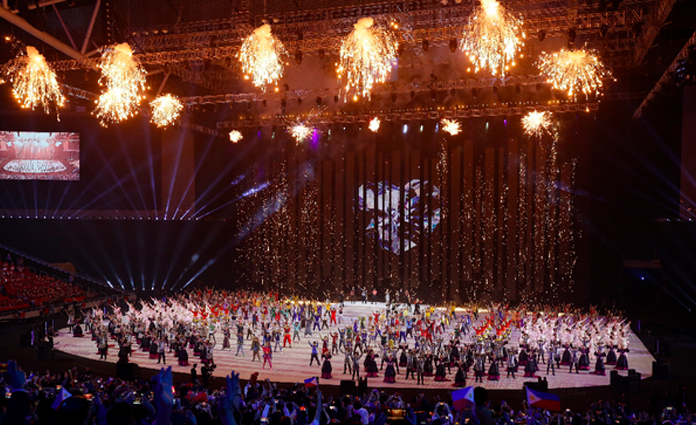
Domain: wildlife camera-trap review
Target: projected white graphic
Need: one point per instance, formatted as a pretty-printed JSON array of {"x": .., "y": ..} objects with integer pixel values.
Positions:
[{"x": 400, "y": 214}]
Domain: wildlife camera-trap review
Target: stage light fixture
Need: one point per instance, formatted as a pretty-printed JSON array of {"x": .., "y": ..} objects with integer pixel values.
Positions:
[
  {"x": 571, "y": 36},
  {"x": 425, "y": 45},
  {"x": 299, "y": 101},
  {"x": 393, "y": 97},
  {"x": 453, "y": 45},
  {"x": 319, "y": 100},
  {"x": 541, "y": 35},
  {"x": 320, "y": 53},
  {"x": 637, "y": 29},
  {"x": 400, "y": 50},
  {"x": 603, "y": 30},
  {"x": 298, "y": 57}
]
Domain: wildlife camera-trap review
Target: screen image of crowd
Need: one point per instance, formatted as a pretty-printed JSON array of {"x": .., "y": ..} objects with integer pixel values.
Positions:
[{"x": 32, "y": 155}]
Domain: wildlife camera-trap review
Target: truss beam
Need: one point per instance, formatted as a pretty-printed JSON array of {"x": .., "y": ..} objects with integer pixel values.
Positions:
[
  {"x": 656, "y": 21},
  {"x": 347, "y": 118},
  {"x": 19, "y": 22},
  {"x": 666, "y": 78}
]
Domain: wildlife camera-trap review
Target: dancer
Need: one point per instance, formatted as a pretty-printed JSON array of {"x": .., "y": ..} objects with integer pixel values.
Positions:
[
  {"x": 326, "y": 368},
  {"x": 315, "y": 353},
  {"x": 267, "y": 356},
  {"x": 240, "y": 343},
  {"x": 255, "y": 348},
  {"x": 512, "y": 364},
  {"x": 355, "y": 358},
  {"x": 390, "y": 373}
]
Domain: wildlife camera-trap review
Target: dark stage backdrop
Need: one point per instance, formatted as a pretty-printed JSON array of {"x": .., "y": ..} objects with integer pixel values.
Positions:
[{"x": 447, "y": 217}]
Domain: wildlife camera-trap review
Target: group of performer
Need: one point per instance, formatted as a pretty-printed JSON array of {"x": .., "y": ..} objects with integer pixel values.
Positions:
[{"x": 419, "y": 341}]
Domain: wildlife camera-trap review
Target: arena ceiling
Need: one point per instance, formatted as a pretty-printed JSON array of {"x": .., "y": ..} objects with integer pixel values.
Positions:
[{"x": 189, "y": 47}]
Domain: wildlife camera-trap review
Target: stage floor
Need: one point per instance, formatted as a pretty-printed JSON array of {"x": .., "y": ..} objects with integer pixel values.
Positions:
[{"x": 292, "y": 365}]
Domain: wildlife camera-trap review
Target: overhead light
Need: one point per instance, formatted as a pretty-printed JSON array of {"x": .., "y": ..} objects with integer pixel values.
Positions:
[
  {"x": 541, "y": 35},
  {"x": 637, "y": 29},
  {"x": 571, "y": 36},
  {"x": 453, "y": 45}
]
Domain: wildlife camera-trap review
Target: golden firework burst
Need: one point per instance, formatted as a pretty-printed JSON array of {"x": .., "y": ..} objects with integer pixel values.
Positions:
[
  {"x": 537, "y": 123},
  {"x": 166, "y": 110},
  {"x": 124, "y": 79},
  {"x": 366, "y": 57},
  {"x": 374, "y": 124},
  {"x": 300, "y": 131},
  {"x": 34, "y": 84},
  {"x": 451, "y": 127},
  {"x": 574, "y": 71},
  {"x": 493, "y": 38},
  {"x": 261, "y": 57},
  {"x": 235, "y": 136}
]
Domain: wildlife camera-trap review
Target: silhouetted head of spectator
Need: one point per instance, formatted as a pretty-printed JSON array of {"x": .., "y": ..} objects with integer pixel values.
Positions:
[
  {"x": 480, "y": 396},
  {"x": 74, "y": 411},
  {"x": 120, "y": 413}
]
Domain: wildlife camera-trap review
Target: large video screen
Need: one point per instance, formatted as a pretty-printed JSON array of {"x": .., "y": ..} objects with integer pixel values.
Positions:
[{"x": 29, "y": 155}]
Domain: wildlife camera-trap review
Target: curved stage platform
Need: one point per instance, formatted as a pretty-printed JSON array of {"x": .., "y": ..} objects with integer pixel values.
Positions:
[{"x": 291, "y": 365}]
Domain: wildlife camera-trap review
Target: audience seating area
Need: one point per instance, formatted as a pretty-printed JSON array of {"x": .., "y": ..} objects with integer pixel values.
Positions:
[
  {"x": 21, "y": 288},
  {"x": 84, "y": 398}
]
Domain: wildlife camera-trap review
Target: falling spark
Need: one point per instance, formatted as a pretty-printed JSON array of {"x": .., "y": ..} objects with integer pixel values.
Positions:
[
  {"x": 34, "y": 83},
  {"x": 300, "y": 131},
  {"x": 366, "y": 57},
  {"x": 235, "y": 136},
  {"x": 374, "y": 124},
  {"x": 451, "y": 127},
  {"x": 261, "y": 56},
  {"x": 165, "y": 110},
  {"x": 124, "y": 79},
  {"x": 574, "y": 71},
  {"x": 537, "y": 123},
  {"x": 493, "y": 38}
]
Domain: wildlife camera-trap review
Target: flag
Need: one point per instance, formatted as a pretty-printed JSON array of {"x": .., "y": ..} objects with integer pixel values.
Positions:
[
  {"x": 311, "y": 382},
  {"x": 543, "y": 400},
  {"x": 62, "y": 395},
  {"x": 463, "y": 398}
]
